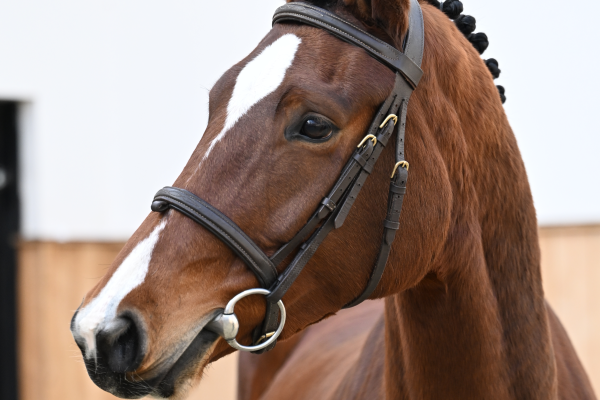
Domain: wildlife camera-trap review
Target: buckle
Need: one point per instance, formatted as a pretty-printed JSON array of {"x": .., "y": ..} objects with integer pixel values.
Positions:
[
  {"x": 391, "y": 116},
  {"x": 403, "y": 164},
  {"x": 372, "y": 137}
]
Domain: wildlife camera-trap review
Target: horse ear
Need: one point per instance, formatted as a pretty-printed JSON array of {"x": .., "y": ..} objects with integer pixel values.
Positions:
[{"x": 388, "y": 15}]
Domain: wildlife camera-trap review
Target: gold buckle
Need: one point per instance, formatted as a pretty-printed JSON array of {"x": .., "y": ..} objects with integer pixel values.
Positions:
[
  {"x": 403, "y": 164},
  {"x": 372, "y": 137},
  {"x": 391, "y": 116}
]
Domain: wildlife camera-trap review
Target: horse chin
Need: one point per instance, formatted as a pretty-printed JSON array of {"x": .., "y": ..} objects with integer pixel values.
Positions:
[{"x": 187, "y": 369}]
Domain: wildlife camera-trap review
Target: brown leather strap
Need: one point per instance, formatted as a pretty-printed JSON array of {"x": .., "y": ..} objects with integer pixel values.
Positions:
[
  {"x": 216, "y": 222},
  {"x": 395, "y": 199},
  {"x": 383, "y": 52},
  {"x": 390, "y": 226},
  {"x": 414, "y": 43},
  {"x": 348, "y": 185}
]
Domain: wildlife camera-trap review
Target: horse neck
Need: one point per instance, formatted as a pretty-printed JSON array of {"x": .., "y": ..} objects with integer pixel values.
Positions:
[
  {"x": 476, "y": 326},
  {"x": 477, "y": 329},
  {"x": 469, "y": 336}
]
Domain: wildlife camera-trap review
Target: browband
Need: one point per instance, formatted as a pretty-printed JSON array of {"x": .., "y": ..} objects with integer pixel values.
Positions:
[{"x": 383, "y": 52}]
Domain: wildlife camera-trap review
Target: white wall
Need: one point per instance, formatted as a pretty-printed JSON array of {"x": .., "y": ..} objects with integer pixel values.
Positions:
[
  {"x": 548, "y": 53},
  {"x": 115, "y": 99}
]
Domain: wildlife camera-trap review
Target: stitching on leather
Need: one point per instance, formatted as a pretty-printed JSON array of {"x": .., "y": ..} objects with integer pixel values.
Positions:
[
  {"x": 287, "y": 281},
  {"x": 344, "y": 34},
  {"x": 290, "y": 277},
  {"x": 241, "y": 249},
  {"x": 320, "y": 10},
  {"x": 391, "y": 48},
  {"x": 311, "y": 250},
  {"x": 351, "y": 24},
  {"x": 342, "y": 180},
  {"x": 408, "y": 44}
]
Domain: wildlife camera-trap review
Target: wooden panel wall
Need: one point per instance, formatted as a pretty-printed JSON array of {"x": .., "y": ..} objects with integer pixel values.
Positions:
[
  {"x": 54, "y": 277},
  {"x": 571, "y": 274}
]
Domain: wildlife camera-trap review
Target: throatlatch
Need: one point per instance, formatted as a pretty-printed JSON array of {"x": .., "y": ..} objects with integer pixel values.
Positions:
[{"x": 334, "y": 208}]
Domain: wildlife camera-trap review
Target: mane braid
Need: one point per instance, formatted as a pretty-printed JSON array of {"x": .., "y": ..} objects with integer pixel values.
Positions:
[
  {"x": 452, "y": 8},
  {"x": 466, "y": 24},
  {"x": 326, "y": 4}
]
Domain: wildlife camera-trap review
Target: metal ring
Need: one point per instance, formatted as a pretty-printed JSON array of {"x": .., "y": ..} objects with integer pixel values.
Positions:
[
  {"x": 391, "y": 116},
  {"x": 229, "y": 311},
  {"x": 403, "y": 164},
  {"x": 372, "y": 137}
]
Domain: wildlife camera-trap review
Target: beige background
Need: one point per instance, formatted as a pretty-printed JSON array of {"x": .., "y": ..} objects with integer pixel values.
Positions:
[{"x": 53, "y": 278}]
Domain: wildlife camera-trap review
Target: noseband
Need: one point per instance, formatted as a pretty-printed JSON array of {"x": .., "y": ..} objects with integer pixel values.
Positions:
[{"x": 334, "y": 208}]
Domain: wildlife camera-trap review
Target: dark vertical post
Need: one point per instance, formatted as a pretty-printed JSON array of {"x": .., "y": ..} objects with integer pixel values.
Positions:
[{"x": 9, "y": 228}]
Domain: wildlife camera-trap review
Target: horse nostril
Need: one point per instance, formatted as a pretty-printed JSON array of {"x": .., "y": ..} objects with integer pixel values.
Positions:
[{"x": 120, "y": 345}]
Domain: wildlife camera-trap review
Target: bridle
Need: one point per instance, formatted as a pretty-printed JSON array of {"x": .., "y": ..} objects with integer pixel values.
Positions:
[{"x": 334, "y": 208}]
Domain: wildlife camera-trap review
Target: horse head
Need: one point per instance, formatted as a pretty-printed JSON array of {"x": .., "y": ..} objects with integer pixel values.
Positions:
[{"x": 283, "y": 122}]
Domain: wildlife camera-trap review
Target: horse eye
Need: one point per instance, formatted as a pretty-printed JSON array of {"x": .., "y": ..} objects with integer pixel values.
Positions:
[{"x": 316, "y": 129}]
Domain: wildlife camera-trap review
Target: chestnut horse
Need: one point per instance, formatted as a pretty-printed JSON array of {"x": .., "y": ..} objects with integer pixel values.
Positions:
[{"x": 464, "y": 314}]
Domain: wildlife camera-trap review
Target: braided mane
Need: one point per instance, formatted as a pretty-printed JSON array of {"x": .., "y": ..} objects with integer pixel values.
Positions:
[{"x": 466, "y": 24}]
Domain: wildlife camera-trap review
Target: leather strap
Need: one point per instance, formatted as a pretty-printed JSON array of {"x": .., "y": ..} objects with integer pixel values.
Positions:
[
  {"x": 383, "y": 52},
  {"x": 414, "y": 50},
  {"x": 390, "y": 224},
  {"x": 216, "y": 222},
  {"x": 415, "y": 42},
  {"x": 414, "y": 46},
  {"x": 349, "y": 184}
]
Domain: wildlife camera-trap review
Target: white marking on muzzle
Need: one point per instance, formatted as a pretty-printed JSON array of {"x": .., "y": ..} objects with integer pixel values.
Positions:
[
  {"x": 260, "y": 77},
  {"x": 130, "y": 274}
]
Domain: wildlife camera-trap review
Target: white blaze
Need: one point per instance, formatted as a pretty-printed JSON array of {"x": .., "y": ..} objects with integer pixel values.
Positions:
[
  {"x": 260, "y": 77},
  {"x": 130, "y": 274}
]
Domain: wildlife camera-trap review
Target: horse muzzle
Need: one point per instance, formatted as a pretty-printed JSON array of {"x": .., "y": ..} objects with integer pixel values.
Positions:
[{"x": 120, "y": 348}]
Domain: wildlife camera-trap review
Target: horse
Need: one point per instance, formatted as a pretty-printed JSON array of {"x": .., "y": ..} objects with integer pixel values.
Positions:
[{"x": 459, "y": 312}]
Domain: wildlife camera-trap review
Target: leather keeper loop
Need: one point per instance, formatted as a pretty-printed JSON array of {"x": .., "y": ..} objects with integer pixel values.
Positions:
[
  {"x": 388, "y": 236},
  {"x": 359, "y": 158},
  {"x": 391, "y": 225},
  {"x": 397, "y": 189},
  {"x": 330, "y": 204},
  {"x": 368, "y": 167},
  {"x": 384, "y": 135}
]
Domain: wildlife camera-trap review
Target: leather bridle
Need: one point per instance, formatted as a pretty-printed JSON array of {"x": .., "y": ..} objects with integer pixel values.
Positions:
[{"x": 334, "y": 208}]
